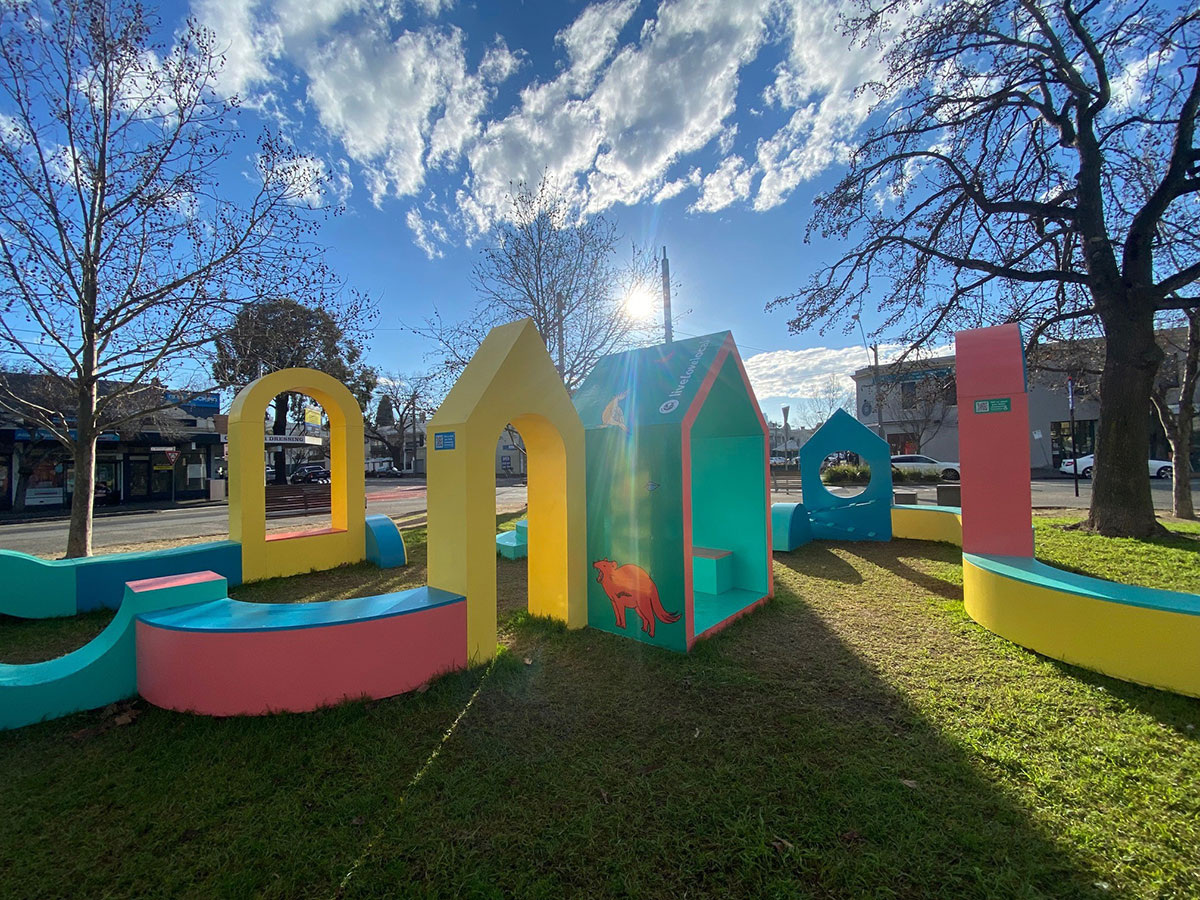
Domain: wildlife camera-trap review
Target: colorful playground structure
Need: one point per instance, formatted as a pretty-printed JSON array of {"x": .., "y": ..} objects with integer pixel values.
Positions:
[{"x": 649, "y": 517}]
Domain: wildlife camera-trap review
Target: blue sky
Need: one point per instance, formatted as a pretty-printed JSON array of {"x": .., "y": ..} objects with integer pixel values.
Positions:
[{"x": 704, "y": 126}]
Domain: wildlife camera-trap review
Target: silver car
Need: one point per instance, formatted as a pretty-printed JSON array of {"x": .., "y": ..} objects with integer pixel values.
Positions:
[{"x": 927, "y": 464}]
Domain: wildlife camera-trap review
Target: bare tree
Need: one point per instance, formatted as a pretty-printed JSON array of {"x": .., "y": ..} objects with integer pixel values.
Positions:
[
  {"x": 922, "y": 401},
  {"x": 1183, "y": 375},
  {"x": 399, "y": 403},
  {"x": 119, "y": 257},
  {"x": 830, "y": 395},
  {"x": 1030, "y": 161},
  {"x": 552, "y": 265}
]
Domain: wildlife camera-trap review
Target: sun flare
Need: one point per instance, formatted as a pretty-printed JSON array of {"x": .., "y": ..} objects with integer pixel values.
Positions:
[{"x": 640, "y": 303}]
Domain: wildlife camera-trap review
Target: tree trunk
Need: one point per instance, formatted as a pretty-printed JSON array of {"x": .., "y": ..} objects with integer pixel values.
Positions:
[
  {"x": 1122, "y": 504},
  {"x": 24, "y": 472},
  {"x": 280, "y": 427},
  {"x": 1181, "y": 465},
  {"x": 79, "y": 537}
]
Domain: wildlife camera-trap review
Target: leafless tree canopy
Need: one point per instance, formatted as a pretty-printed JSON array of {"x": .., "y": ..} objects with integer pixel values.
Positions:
[
  {"x": 119, "y": 256},
  {"x": 1029, "y": 161},
  {"x": 830, "y": 396},
  {"x": 560, "y": 270}
]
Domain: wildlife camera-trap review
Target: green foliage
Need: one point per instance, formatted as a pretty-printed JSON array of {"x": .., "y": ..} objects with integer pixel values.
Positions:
[
  {"x": 905, "y": 475},
  {"x": 282, "y": 333},
  {"x": 846, "y": 473}
]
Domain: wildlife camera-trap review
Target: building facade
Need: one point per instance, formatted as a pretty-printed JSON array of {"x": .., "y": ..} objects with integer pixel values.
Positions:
[
  {"x": 914, "y": 405},
  {"x": 171, "y": 457}
]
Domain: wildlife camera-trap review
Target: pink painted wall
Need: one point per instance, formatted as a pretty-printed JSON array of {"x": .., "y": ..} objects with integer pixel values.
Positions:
[
  {"x": 298, "y": 669},
  {"x": 994, "y": 446}
]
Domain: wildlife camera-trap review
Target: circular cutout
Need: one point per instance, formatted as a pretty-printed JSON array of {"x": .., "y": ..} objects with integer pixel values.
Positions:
[{"x": 845, "y": 474}]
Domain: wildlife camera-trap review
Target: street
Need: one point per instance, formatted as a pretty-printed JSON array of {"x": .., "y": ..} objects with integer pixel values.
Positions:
[{"x": 49, "y": 538}]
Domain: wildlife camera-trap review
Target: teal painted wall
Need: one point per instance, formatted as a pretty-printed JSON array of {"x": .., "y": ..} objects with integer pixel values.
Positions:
[{"x": 635, "y": 504}]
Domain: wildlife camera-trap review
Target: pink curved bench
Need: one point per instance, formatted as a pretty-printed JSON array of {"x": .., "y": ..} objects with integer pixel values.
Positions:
[{"x": 228, "y": 657}]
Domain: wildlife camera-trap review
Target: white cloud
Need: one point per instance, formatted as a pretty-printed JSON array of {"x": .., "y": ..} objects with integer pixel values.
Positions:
[
  {"x": 591, "y": 39},
  {"x": 817, "y": 82},
  {"x": 620, "y": 123},
  {"x": 728, "y": 184},
  {"x": 801, "y": 373},
  {"x": 248, "y": 44},
  {"x": 428, "y": 235}
]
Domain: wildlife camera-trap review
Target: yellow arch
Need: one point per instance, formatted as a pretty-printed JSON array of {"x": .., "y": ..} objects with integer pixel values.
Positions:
[
  {"x": 510, "y": 379},
  {"x": 345, "y": 541}
]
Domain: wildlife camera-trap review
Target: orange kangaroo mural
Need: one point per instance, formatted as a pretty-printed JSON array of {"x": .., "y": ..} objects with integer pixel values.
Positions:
[{"x": 631, "y": 587}]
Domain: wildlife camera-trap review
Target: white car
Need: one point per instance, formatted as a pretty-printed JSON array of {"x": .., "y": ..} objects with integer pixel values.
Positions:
[
  {"x": 947, "y": 470},
  {"x": 1157, "y": 468}
]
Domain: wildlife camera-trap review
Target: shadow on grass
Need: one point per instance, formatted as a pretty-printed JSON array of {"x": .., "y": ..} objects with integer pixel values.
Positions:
[
  {"x": 1180, "y": 714},
  {"x": 821, "y": 562},
  {"x": 773, "y": 761},
  {"x": 891, "y": 560}
]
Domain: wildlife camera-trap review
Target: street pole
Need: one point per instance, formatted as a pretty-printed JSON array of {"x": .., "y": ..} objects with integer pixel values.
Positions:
[
  {"x": 1074, "y": 448},
  {"x": 878, "y": 392},
  {"x": 562, "y": 337},
  {"x": 787, "y": 440},
  {"x": 875, "y": 376},
  {"x": 666, "y": 282}
]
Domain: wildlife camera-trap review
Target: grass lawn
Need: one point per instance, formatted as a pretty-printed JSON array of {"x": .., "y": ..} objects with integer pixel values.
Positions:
[{"x": 857, "y": 737}]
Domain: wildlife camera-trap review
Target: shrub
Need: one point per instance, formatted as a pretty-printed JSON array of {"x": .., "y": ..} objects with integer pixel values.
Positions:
[
  {"x": 846, "y": 474},
  {"x": 901, "y": 475}
]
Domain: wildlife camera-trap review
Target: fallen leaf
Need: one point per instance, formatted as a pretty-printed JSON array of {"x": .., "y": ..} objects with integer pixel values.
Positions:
[
  {"x": 781, "y": 845},
  {"x": 357, "y": 820},
  {"x": 423, "y": 688},
  {"x": 909, "y": 783},
  {"x": 528, "y": 661}
]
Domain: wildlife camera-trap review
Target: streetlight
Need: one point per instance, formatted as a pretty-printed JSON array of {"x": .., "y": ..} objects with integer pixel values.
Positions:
[{"x": 875, "y": 377}]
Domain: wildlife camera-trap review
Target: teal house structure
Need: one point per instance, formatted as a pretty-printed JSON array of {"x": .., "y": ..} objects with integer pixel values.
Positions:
[
  {"x": 866, "y": 516},
  {"x": 678, "y": 488}
]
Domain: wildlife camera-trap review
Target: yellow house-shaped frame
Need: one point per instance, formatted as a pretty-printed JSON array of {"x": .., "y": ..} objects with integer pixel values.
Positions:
[{"x": 511, "y": 379}]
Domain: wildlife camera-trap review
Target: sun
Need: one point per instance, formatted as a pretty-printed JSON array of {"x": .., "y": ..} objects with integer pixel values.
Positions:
[{"x": 640, "y": 302}]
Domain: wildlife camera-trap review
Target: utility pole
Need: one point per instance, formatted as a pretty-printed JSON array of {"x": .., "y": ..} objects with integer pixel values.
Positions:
[
  {"x": 666, "y": 281},
  {"x": 873, "y": 349},
  {"x": 562, "y": 337},
  {"x": 1074, "y": 448},
  {"x": 878, "y": 393}
]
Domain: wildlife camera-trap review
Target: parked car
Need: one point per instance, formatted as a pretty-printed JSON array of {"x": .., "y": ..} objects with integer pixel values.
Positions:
[
  {"x": 779, "y": 460},
  {"x": 389, "y": 472},
  {"x": 947, "y": 470},
  {"x": 1156, "y": 468},
  {"x": 313, "y": 473}
]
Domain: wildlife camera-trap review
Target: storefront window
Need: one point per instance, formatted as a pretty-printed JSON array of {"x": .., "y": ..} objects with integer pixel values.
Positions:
[{"x": 189, "y": 471}]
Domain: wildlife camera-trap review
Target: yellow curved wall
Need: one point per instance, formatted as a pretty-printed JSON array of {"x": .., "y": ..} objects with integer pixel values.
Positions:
[
  {"x": 247, "y": 499},
  {"x": 919, "y": 523},
  {"x": 511, "y": 378},
  {"x": 1148, "y": 646}
]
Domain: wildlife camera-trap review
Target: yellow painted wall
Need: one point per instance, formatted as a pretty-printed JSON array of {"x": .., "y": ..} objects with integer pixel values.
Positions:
[
  {"x": 926, "y": 524},
  {"x": 247, "y": 499},
  {"x": 1134, "y": 643},
  {"x": 511, "y": 378}
]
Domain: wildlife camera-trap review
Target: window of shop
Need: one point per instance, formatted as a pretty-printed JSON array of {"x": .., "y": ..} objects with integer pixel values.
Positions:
[
  {"x": 46, "y": 484},
  {"x": 1060, "y": 440},
  {"x": 903, "y": 443}
]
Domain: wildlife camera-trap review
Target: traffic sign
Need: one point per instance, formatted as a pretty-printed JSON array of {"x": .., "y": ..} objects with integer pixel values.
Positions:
[{"x": 171, "y": 456}]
